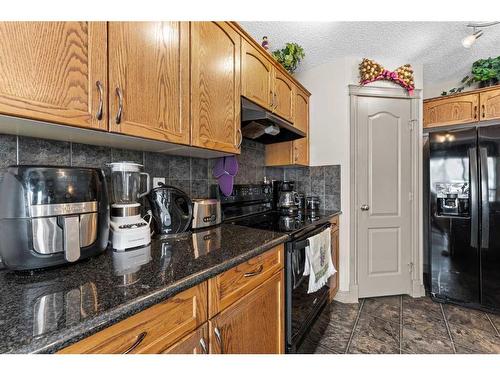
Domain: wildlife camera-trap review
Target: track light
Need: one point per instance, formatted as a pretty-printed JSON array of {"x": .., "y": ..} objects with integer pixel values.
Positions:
[{"x": 469, "y": 40}]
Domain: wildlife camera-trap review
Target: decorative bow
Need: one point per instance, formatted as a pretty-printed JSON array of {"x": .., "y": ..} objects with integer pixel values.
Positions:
[{"x": 370, "y": 71}]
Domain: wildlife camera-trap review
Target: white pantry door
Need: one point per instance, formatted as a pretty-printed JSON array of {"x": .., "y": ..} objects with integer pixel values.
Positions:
[{"x": 383, "y": 169}]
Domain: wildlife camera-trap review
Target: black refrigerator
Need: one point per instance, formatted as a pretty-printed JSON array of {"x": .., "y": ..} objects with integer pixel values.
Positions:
[{"x": 462, "y": 174}]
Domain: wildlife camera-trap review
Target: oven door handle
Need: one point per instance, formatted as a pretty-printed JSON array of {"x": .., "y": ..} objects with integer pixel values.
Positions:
[{"x": 304, "y": 242}]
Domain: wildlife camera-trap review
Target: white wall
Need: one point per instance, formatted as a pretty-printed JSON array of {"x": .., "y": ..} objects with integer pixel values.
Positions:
[
  {"x": 330, "y": 129},
  {"x": 329, "y": 138}
]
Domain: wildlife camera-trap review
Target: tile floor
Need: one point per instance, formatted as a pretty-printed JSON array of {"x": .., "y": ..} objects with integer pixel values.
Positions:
[{"x": 403, "y": 325}]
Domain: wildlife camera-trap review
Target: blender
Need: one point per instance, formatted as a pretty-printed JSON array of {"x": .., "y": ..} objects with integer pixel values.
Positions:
[{"x": 128, "y": 228}]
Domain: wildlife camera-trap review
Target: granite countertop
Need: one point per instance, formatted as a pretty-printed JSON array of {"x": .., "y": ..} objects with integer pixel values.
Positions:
[{"x": 44, "y": 311}]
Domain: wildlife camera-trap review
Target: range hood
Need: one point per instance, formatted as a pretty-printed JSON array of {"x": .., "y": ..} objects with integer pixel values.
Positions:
[{"x": 263, "y": 126}]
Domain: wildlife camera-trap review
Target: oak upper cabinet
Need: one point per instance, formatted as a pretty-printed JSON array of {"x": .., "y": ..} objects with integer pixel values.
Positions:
[
  {"x": 55, "y": 72},
  {"x": 256, "y": 75},
  {"x": 459, "y": 109},
  {"x": 215, "y": 86},
  {"x": 283, "y": 95},
  {"x": 301, "y": 146},
  {"x": 149, "y": 80},
  {"x": 254, "y": 324},
  {"x": 294, "y": 152},
  {"x": 490, "y": 104}
]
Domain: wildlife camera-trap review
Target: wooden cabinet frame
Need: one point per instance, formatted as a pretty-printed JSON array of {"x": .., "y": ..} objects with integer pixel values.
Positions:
[{"x": 468, "y": 107}]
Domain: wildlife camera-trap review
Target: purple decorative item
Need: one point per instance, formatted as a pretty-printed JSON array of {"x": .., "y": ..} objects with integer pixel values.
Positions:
[{"x": 224, "y": 171}]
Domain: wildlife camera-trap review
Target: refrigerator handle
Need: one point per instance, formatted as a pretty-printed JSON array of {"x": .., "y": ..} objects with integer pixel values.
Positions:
[
  {"x": 473, "y": 196},
  {"x": 485, "y": 209}
]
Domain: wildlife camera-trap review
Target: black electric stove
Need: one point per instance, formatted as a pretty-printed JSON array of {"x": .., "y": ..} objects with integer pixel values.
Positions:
[
  {"x": 254, "y": 206},
  {"x": 278, "y": 222}
]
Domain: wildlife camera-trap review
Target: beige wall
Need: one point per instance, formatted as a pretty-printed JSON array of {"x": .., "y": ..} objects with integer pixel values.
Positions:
[{"x": 434, "y": 89}]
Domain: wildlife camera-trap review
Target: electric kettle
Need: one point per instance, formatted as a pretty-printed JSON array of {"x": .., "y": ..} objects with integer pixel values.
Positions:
[{"x": 172, "y": 210}]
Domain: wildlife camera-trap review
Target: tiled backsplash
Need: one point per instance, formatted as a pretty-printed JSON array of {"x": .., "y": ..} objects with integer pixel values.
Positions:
[
  {"x": 323, "y": 181},
  {"x": 192, "y": 175}
]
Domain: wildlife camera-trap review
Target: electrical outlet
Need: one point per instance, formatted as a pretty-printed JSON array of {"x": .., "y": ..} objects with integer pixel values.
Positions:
[{"x": 157, "y": 181}]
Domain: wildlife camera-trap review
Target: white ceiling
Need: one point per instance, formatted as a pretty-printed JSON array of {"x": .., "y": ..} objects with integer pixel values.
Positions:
[{"x": 435, "y": 45}]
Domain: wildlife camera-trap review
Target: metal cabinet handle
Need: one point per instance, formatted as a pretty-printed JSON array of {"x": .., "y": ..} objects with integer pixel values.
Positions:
[
  {"x": 120, "y": 105},
  {"x": 203, "y": 346},
  {"x": 475, "y": 112},
  {"x": 483, "y": 110},
  {"x": 365, "y": 207},
  {"x": 218, "y": 337},
  {"x": 238, "y": 131},
  {"x": 272, "y": 99},
  {"x": 277, "y": 101},
  {"x": 474, "y": 189},
  {"x": 139, "y": 339},
  {"x": 254, "y": 273},
  {"x": 99, "y": 112}
]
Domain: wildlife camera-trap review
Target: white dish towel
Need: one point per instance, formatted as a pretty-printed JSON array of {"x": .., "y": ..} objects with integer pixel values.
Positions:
[{"x": 318, "y": 263}]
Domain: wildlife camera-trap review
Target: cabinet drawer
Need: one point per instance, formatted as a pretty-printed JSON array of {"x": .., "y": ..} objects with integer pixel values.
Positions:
[
  {"x": 193, "y": 343},
  {"x": 152, "y": 330},
  {"x": 230, "y": 286}
]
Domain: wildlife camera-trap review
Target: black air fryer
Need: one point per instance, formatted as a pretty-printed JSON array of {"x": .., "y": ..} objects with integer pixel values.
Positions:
[{"x": 52, "y": 215}]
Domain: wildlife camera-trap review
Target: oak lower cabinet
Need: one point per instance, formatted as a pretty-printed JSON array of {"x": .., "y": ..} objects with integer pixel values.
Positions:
[
  {"x": 149, "y": 80},
  {"x": 334, "y": 280},
  {"x": 215, "y": 86},
  {"x": 238, "y": 311},
  {"x": 55, "y": 72},
  {"x": 254, "y": 324},
  {"x": 194, "y": 343},
  {"x": 151, "y": 331}
]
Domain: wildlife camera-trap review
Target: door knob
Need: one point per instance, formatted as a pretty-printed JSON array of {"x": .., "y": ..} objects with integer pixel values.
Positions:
[{"x": 365, "y": 207}]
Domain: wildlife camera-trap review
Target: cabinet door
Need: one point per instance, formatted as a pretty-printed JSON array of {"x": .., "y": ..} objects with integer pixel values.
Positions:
[
  {"x": 49, "y": 71},
  {"x": 254, "y": 324},
  {"x": 149, "y": 69},
  {"x": 194, "y": 343},
  {"x": 334, "y": 282},
  {"x": 454, "y": 110},
  {"x": 279, "y": 154},
  {"x": 284, "y": 95},
  {"x": 256, "y": 75},
  {"x": 490, "y": 105},
  {"x": 301, "y": 114},
  {"x": 215, "y": 86}
]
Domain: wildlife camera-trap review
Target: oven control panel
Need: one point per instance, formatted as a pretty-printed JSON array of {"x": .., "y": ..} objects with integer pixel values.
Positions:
[{"x": 244, "y": 193}]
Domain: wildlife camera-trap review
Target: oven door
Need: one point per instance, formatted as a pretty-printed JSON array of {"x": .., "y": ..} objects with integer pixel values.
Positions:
[{"x": 302, "y": 308}]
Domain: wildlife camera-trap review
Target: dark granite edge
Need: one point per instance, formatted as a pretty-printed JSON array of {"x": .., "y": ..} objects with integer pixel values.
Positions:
[{"x": 51, "y": 344}]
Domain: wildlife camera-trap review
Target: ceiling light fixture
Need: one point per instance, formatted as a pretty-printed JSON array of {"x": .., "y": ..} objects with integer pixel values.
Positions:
[{"x": 469, "y": 40}]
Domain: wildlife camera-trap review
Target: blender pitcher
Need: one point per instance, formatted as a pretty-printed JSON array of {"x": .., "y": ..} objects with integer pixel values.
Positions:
[{"x": 126, "y": 182}]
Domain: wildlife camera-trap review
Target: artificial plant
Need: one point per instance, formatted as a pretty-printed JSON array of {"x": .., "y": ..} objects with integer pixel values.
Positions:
[
  {"x": 484, "y": 71},
  {"x": 289, "y": 56}
]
